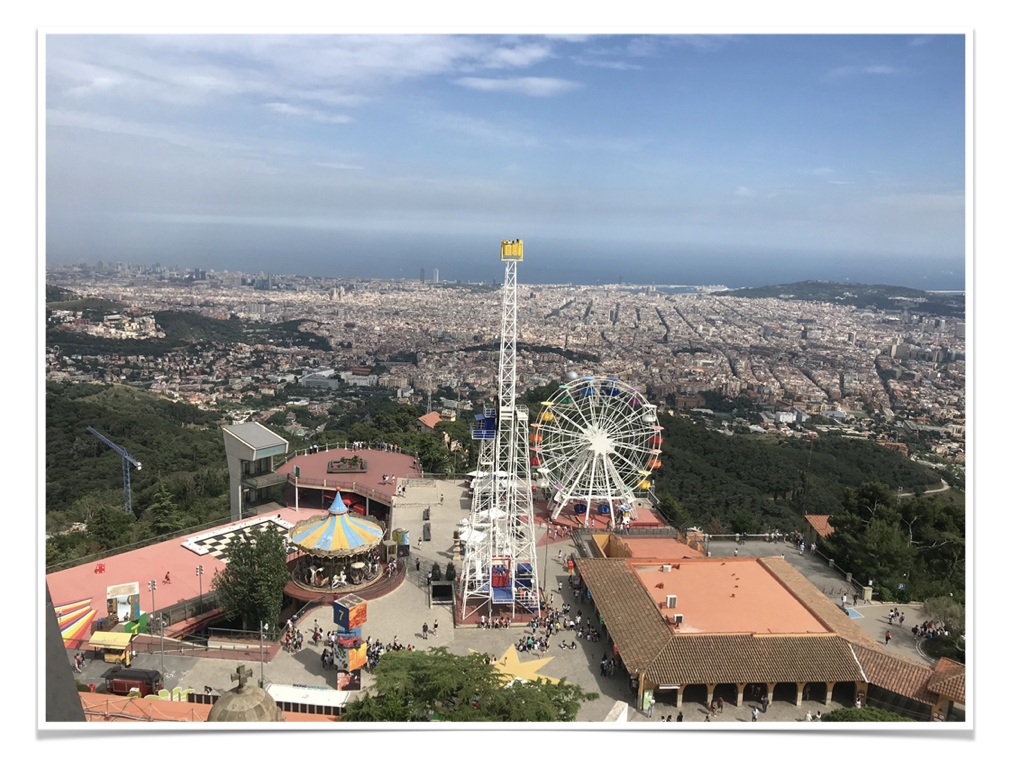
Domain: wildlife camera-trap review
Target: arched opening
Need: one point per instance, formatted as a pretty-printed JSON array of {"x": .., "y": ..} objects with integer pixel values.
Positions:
[
  {"x": 815, "y": 692},
  {"x": 696, "y": 693},
  {"x": 784, "y": 692},
  {"x": 753, "y": 692},
  {"x": 727, "y": 691},
  {"x": 844, "y": 693}
]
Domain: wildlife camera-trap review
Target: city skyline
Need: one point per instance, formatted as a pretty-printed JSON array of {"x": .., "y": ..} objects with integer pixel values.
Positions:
[{"x": 735, "y": 160}]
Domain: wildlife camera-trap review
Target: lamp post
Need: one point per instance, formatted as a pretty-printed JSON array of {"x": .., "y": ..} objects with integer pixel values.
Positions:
[
  {"x": 263, "y": 627},
  {"x": 199, "y": 573},
  {"x": 152, "y": 593}
]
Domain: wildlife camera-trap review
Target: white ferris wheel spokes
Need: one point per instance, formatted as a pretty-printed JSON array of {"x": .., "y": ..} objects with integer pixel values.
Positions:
[{"x": 597, "y": 442}]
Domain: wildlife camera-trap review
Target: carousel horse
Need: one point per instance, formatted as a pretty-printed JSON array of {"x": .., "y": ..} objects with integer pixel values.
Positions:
[{"x": 314, "y": 576}]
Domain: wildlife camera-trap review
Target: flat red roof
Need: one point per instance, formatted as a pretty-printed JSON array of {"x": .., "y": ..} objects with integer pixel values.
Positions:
[
  {"x": 313, "y": 471},
  {"x": 663, "y": 548},
  {"x": 735, "y": 594}
]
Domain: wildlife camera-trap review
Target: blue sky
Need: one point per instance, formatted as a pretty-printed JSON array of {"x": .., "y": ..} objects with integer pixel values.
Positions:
[{"x": 657, "y": 156}]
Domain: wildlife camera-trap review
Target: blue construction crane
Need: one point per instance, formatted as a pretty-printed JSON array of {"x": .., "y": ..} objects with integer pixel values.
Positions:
[{"x": 126, "y": 462}]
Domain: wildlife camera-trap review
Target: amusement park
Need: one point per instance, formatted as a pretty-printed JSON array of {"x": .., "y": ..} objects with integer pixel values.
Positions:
[{"x": 555, "y": 532}]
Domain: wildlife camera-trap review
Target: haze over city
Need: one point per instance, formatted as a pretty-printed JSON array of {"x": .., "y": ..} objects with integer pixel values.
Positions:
[{"x": 734, "y": 160}]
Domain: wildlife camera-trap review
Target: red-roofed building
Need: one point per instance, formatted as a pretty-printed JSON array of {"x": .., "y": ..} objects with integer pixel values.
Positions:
[
  {"x": 429, "y": 421},
  {"x": 819, "y": 527}
]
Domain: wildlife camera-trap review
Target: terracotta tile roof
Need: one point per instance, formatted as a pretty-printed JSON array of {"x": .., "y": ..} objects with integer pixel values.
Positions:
[
  {"x": 827, "y": 612},
  {"x": 754, "y": 658},
  {"x": 820, "y": 524},
  {"x": 896, "y": 674},
  {"x": 949, "y": 680},
  {"x": 647, "y": 643},
  {"x": 430, "y": 419},
  {"x": 628, "y": 610}
]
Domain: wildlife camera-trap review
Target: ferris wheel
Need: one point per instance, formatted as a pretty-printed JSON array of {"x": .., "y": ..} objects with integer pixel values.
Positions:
[{"x": 595, "y": 446}]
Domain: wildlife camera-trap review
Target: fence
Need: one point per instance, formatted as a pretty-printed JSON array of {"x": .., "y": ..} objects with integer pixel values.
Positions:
[
  {"x": 350, "y": 485},
  {"x": 62, "y": 566},
  {"x": 332, "y": 446}
]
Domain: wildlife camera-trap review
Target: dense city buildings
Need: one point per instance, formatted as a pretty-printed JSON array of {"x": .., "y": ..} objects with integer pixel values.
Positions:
[{"x": 793, "y": 360}]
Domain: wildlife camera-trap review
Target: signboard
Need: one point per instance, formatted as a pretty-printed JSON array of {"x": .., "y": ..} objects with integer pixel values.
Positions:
[
  {"x": 123, "y": 601},
  {"x": 349, "y": 612},
  {"x": 902, "y": 586}
]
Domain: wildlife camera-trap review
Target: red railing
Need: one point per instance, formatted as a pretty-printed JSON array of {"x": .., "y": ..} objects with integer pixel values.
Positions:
[{"x": 345, "y": 485}]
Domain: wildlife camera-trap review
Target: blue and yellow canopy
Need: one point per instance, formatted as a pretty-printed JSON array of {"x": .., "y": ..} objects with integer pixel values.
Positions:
[{"x": 336, "y": 534}]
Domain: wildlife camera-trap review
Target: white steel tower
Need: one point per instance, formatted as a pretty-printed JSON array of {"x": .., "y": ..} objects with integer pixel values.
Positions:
[{"x": 500, "y": 542}]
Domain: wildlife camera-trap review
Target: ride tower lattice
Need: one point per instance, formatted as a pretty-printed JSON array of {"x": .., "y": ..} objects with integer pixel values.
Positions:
[{"x": 499, "y": 568}]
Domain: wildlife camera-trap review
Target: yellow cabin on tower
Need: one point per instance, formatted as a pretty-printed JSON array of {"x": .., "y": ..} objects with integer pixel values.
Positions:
[{"x": 511, "y": 250}]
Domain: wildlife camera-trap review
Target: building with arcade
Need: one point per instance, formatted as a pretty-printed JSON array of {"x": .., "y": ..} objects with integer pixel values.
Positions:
[{"x": 696, "y": 629}]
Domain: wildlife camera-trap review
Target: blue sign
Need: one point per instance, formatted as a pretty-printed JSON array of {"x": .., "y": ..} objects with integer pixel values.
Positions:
[{"x": 903, "y": 586}]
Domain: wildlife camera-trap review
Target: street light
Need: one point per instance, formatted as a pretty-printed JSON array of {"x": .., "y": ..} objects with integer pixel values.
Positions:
[
  {"x": 152, "y": 593},
  {"x": 199, "y": 573},
  {"x": 263, "y": 627}
]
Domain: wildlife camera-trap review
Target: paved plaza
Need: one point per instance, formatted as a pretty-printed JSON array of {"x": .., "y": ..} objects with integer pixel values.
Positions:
[{"x": 402, "y": 613}]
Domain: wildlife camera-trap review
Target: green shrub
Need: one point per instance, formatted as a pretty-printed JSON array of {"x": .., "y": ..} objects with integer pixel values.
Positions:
[{"x": 863, "y": 715}]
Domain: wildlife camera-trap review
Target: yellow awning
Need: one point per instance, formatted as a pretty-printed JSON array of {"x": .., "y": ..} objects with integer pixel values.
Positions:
[{"x": 116, "y": 640}]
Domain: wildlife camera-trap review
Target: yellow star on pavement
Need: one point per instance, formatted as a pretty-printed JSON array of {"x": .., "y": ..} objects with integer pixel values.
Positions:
[{"x": 509, "y": 665}]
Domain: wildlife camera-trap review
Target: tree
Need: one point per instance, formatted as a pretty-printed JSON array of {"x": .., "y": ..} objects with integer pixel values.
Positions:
[
  {"x": 449, "y": 571},
  {"x": 863, "y": 715},
  {"x": 110, "y": 527},
  {"x": 435, "y": 572},
  {"x": 252, "y": 583},
  {"x": 948, "y": 611},
  {"x": 438, "y": 685},
  {"x": 164, "y": 513}
]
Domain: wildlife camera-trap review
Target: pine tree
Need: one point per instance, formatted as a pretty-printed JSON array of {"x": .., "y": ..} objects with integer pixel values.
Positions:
[{"x": 252, "y": 584}]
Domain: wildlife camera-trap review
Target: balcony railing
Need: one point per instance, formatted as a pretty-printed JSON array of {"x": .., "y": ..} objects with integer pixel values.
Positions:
[{"x": 266, "y": 479}]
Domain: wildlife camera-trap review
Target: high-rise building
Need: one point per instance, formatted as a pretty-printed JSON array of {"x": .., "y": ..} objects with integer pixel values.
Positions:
[
  {"x": 437, "y": 275},
  {"x": 423, "y": 275}
]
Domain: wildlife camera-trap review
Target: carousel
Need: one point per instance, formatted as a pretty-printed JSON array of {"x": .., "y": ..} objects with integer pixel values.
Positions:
[{"x": 341, "y": 549}]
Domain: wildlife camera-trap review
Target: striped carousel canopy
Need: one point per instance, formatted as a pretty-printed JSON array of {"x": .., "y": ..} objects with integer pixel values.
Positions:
[{"x": 336, "y": 534}]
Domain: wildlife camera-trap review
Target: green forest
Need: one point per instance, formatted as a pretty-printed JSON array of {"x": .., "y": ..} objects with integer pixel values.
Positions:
[
  {"x": 183, "y": 480},
  {"x": 884, "y": 297},
  {"x": 737, "y": 483}
]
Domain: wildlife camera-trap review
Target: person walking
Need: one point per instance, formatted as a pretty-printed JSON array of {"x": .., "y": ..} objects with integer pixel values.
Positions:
[
  {"x": 888, "y": 636},
  {"x": 902, "y": 617},
  {"x": 736, "y": 552},
  {"x": 435, "y": 626},
  {"x": 753, "y": 715}
]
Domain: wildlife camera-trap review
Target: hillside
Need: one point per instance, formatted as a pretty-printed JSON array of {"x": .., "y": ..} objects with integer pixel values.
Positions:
[
  {"x": 751, "y": 482},
  {"x": 178, "y": 445},
  {"x": 891, "y": 298}
]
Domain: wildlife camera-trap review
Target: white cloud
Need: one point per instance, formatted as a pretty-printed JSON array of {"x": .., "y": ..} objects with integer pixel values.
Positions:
[
  {"x": 283, "y": 108},
  {"x": 518, "y": 56},
  {"x": 918, "y": 41},
  {"x": 839, "y": 183},
  {"x": 106, "y": 124},
  {"x": 822, "y": 172},
  {"x": 340, "y": 166},
  {"x": 848, "y": 71},
  {"x": 621, "y": 65},
  {"x": 744, "y": 192},
  {"x": 483, "y": 130},
  {"x": 525, "y": 86}
]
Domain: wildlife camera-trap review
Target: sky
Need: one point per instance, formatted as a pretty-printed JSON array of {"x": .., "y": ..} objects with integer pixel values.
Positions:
[{"x": 670, "y": 159}]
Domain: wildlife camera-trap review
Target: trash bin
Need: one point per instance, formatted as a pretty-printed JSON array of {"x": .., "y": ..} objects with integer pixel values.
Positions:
[
  {"x": 92, "y": 687},
  {"x": 426, "y": 513},
  {"x": 426, "y": 531}
]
